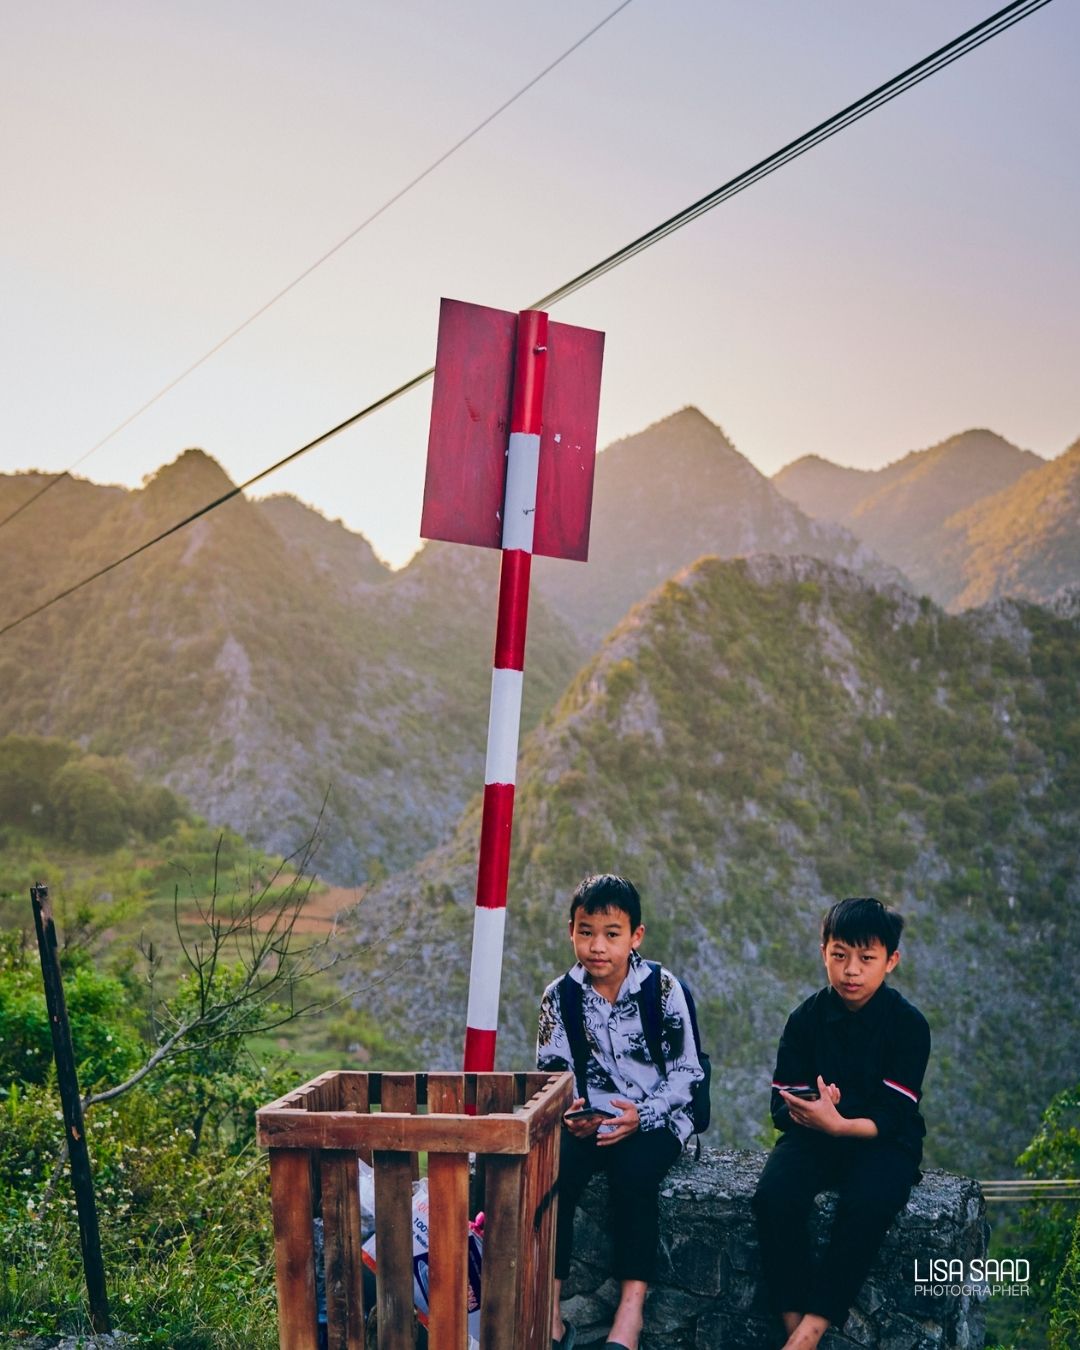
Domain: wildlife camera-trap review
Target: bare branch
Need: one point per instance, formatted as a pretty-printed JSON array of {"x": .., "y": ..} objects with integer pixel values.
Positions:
[{"x": 246, "y": 967}]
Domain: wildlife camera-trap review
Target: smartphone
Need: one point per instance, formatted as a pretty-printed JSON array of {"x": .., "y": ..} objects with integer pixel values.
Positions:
[
  {"x": 590, "y": 1113},
  {"x": 804, "y": 1094}
]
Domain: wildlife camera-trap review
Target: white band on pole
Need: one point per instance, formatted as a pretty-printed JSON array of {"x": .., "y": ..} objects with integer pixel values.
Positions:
[
  {"x": 519, "y": 504},
  {"x": 484, "y": 976},
  {"x": 504, "y": 725}
]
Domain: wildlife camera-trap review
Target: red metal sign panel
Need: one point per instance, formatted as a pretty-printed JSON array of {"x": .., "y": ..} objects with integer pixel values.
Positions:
[
  {"x": 470, "y": 419},
  {"x": 564, "y": 486}
]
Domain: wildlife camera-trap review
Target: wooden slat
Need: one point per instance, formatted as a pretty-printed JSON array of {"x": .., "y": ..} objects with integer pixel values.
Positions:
[
  {"x": 341, "y": 1251},
  {"x": 294, "y": 1249},
  {"x": 399, "y": 1093},
  {"x": 393, "y": 1250},
  {"x": 494, "y": 1092},
  {"x": 446, "y": 1093},
  {"x": 536, "y": 1082},
  {"x": 448, "y": 1224},
  {"x": 546, "y": 1236},
  {"x": 530, "y": 1273},
  {"x": 354, "y": 1097},
  {"x": 537, "y": 1217},
  {"x": 395, "y": 1132},
  {"x": 544, "y": 1111},
  {"x": 500, "y": 1288},
  {"x": 298, "y": 1096}
]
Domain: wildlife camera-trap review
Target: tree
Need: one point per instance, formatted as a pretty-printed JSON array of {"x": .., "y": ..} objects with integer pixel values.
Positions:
[
  {"x": 247, "y": 966},
  {"x": 88, "y": 806},
  {"x": 27, "y": 766}
]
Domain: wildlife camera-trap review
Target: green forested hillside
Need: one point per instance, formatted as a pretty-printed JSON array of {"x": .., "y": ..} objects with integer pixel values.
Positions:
[
  {"x": 758, "y": 738},
  {"x": 343, "y": 560},
  {"x": 260, "y": 658},
  {"x": 1024, "y": 540}
]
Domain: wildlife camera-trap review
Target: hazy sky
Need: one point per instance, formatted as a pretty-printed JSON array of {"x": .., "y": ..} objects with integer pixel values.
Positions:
[{"x": 167, "y": 167}]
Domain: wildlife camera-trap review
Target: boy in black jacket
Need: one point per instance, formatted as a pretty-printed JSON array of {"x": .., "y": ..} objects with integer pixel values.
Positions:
[{"x": 845, "y": 1094}]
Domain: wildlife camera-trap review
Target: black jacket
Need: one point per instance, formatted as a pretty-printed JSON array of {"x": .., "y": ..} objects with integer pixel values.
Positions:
[{"x": 876, "y": 1057}]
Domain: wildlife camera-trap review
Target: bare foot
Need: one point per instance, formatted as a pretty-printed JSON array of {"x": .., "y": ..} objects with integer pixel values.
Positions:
[
  {"x": 807, "y": 1334},
  {"x": 558, "y": 1326},
  {"x": 629, "y": 1315},
  {"x": 626, "y": 1328}
]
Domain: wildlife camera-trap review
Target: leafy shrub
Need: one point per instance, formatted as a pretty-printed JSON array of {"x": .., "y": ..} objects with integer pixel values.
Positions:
[{"x": 106, "y": 1045}]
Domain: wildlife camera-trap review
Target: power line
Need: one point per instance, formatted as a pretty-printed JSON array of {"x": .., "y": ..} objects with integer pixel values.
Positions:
[
  {"x": 974, "y": 37},
  {"x": 226, "y": 496},
  {"x": 302, "y": 276},
  {"x": 929, "y": 65}
]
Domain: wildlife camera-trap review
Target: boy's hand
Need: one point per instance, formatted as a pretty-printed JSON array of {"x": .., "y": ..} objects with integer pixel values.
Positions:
[
  {"x": 618, "y": 1127},
  {"x": 582, "y": 1129},
  {"x": 820, "y": 1115}
]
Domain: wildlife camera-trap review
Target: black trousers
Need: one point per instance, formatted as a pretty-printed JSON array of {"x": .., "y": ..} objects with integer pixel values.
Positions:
[
  {"x": 873, "y": 1178},
  {"x": 635, "y": 1168}
]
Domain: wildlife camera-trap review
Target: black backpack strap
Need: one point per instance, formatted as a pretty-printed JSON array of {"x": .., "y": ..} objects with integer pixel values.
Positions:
[
  {"x": 573, "y": 1020},
  {"x": 650, "y": 1000},
  {"x": 692, "y": 1010}
]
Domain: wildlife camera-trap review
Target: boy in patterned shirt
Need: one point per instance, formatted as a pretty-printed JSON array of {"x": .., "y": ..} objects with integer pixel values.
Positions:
[{"x": 632, "y": 1116}]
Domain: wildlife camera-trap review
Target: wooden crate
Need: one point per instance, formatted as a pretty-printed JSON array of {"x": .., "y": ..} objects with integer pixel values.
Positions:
[{"x": 315, "y": 1135}]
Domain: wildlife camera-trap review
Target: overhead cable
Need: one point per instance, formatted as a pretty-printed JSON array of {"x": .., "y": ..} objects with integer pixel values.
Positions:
[
  {"x": 884, "y": 93},
  {"x": 974, "y": 37}
]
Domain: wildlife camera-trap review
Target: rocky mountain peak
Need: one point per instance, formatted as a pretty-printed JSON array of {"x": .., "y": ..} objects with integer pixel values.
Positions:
[{"x": 192, "y": 470}]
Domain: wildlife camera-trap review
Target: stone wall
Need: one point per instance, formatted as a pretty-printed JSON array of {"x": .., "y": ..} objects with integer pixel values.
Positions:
[{"x": 709, "y": 1296}]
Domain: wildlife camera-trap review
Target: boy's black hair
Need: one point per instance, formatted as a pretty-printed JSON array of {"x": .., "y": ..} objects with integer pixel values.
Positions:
[
  {"x": 859, "y": 920},
  {"x": 606, "y": 891}
]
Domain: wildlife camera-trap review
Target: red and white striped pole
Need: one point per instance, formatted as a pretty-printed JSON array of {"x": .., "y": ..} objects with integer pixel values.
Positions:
[{"x": 504, "y": 717}]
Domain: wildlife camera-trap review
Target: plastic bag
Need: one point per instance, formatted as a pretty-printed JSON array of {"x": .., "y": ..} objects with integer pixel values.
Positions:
[
  {"x": 421, "y": 1262},
  {"x": 366, "y": 1185}
]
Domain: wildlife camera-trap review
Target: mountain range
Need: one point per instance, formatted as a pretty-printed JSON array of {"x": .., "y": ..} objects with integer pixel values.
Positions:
[
  {"x": 262, "y": 658},
  {"x": 265, "y": 656},
  {"x": 675, "y": 492},
  {"x": 966, "y": 521}
]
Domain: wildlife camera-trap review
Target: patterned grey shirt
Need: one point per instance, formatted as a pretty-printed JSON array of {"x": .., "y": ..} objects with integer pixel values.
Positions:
[{"x": 619, "y": 1065}]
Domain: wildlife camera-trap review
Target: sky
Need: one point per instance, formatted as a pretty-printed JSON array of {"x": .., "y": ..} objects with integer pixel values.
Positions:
[{"x": 167, "y": 168}]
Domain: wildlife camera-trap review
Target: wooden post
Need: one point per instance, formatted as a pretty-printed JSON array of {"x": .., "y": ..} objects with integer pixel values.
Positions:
[
  {"x": 82, "y": 1180},
  {"x": 448, "y": 1225},
  {"x": 294, "y": 1248}
]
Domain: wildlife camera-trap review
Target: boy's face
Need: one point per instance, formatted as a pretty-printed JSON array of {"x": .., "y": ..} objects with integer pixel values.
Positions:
[
  {"x": 603, "y": 942},
  {"x": 857, "y": 973}
]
